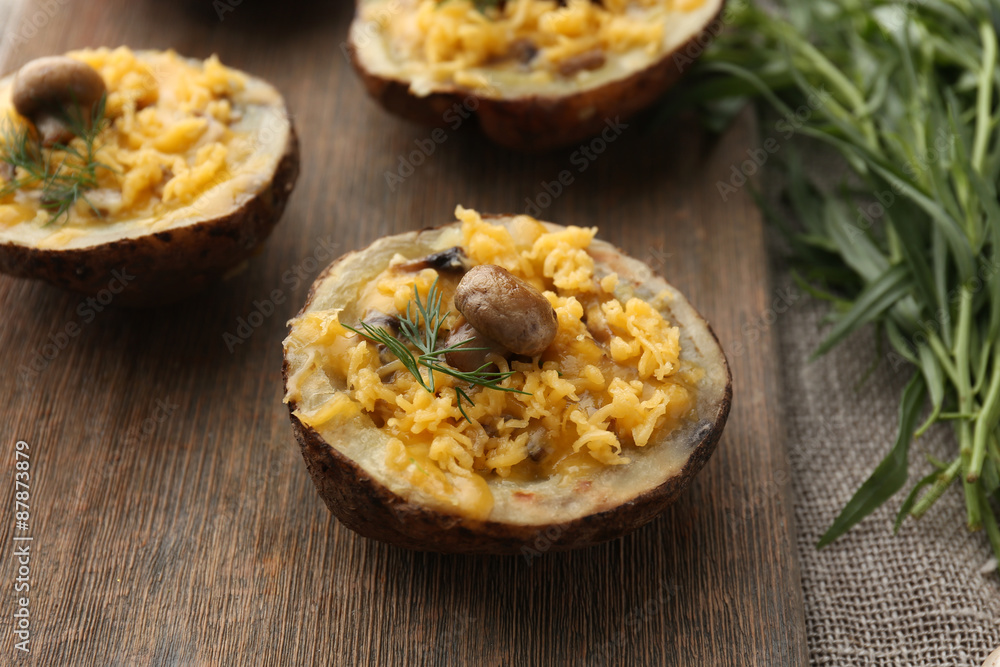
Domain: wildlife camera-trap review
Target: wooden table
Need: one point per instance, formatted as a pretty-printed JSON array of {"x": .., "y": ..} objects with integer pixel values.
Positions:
[{"x": 172, "y": 516}]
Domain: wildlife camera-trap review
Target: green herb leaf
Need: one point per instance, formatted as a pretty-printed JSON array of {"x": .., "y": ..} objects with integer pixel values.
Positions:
[
  {"x": 890, "y": 475},
  {"x": 878, "y": 297},
  {"x": 911, "y": 499}
]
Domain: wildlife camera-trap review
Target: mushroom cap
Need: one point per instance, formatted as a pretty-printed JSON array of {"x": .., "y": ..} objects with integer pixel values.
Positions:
[
  {"x": 506, "y": 309},
  {"x": 48, "y": 84}
]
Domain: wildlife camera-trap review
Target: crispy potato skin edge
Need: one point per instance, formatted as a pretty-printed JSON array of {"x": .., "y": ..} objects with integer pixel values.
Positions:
[
  {"x": 170, "y": 265},
  {"x": 373, "y": 511},
  {"x": 539, "y": 123}
]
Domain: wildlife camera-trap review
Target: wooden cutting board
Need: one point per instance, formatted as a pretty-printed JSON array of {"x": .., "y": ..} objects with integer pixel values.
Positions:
[{"x": 172, "y": 518}]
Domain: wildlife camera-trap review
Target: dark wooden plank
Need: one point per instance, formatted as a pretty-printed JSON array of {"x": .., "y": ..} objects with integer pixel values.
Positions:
[{"x": 173, "y": 518}]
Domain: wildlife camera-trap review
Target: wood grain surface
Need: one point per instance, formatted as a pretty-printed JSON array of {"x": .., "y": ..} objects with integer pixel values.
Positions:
[{"x": 172, "y": 517}]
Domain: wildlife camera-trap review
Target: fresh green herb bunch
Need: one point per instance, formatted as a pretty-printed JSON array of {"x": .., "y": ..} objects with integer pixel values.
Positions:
[
  {"x": 62, "y": 183},
  {"x": 420, "y": 328},
  {"x": 908, "y": 96}
]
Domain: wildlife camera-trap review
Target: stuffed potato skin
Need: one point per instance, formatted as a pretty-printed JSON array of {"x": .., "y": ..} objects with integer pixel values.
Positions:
[
  {"x": 537, "y": 122},
  {"x": 363, "y": 502},
  {"x": 147, "y": 256}
]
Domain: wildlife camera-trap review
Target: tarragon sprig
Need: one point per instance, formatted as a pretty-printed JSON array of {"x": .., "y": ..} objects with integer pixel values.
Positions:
[
  {"x": 63, "y": 183},
  {"x": 420, "y": 326},
  {"x": 908, "y": 93}
]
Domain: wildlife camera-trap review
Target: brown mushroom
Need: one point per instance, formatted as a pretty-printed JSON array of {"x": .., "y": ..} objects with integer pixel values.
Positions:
[
  {"x": 536, "y": 444},
  {"x": 451, "y": 260},
  {"x": 49, "y": 91},
  {"x": 389, "y": 323},
  {"x": 588, "y": 60},
  {"x": 523, "y": 50},
  {"x": 506, "y": 309},
  {"x": 473, "y": 354},
  {"x": 380, "y": 320}
]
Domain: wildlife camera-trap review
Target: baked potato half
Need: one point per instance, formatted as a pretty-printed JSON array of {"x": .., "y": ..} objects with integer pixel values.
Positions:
[
  {"x": 537, "y": 74},
  {"x": 580, "y": 443},
  {"x": 139, "y": 174}
]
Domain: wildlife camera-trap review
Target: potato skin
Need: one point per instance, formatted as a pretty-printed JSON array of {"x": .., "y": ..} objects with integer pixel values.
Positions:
[
  {"x": 372, "y": 510},
  {"x": 538, "y": 123},
  {"x": 367, "y": 507},
  {"x": 168, "y": 265}
]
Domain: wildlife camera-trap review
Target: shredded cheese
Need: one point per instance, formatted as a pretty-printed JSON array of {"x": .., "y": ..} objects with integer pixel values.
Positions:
[
  {"x": 611, "y": 381},
  {"x": 451, "y": 39}
]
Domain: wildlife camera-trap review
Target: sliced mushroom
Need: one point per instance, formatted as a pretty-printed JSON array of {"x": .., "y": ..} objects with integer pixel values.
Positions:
[
  {"x": 474, "y": 354},
  {"x": 452, "y": 260},
  {"x": 597, "y": 324},
  {"x": 588, "y": 60},
  {"x": 379, "y": 320},
  {"x": 51, "y": 91},
  {"x": 523, "y": 50},
  {"x": 536, "y": 444},
  {"x": 506, "y": 309}
]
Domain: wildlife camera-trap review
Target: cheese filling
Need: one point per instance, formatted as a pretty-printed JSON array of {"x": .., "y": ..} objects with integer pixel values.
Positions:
[
  {"x": 478, "y": 43},
  {"x": 612, "y": 380},
  {"x": 173, "y": 133}
]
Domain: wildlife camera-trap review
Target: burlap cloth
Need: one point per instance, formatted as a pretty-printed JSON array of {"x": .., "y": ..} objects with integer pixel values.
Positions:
[{"x": 922, "y": 597}]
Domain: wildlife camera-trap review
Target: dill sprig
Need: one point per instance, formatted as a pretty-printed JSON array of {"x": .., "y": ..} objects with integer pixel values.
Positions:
[
  {"x": 420, "y": 327},
  {"x": 62, "y": 183}
]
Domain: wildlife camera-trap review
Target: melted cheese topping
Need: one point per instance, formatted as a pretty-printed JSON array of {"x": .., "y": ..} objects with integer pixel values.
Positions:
[
  {"x": 169, "y": 140},
  {"x": 454, "y": 41},
  {"x": 611, "y": 381}
]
